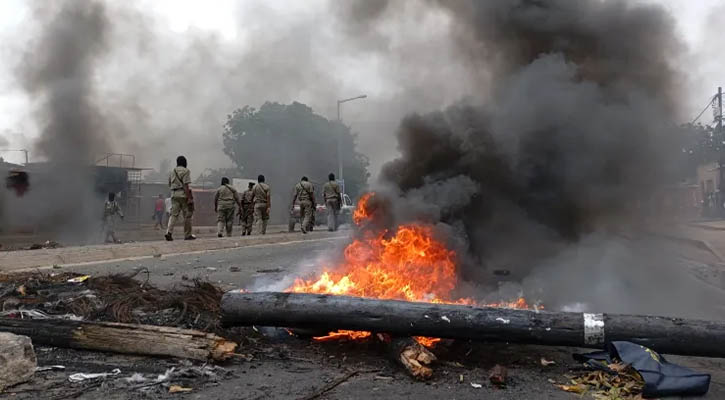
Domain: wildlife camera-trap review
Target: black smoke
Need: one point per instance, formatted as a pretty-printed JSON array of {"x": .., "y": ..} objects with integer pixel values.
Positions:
[
  {"x": 58, "y": 72},
  {"x": 573, "y": 130}
]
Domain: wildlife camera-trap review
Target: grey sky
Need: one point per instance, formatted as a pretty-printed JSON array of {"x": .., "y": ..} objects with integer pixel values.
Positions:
[{"x": 389, "y": 82}]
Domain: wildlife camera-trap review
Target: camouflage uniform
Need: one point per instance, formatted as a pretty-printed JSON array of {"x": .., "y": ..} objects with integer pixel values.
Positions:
[
  {"x": 110, "y": 210},
  {"x": 247, "y": 211},
  {"x": 179, "y": 203},
  {"x": 226, "y": 199},
  {"x": 305, "y": 194},
  {"x": 331, "y": 191},
  {"x": 261, "y": 206}
]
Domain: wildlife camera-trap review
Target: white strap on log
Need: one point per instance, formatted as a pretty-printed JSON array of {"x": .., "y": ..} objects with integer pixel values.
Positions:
[{"x": 593, "y": 329}]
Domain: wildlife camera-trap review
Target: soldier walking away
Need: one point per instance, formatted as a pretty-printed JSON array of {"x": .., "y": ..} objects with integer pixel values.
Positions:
[
  {"x": 333, "y": 202},
  {"x": 226, "y": 200},
  {"x": 110, "y": 210},
  {"x": 262, "y": 205},
  {"x": 182, "y": 200},
  {"x": 305, "y": 194},
  {"x": 246, "y": 211}
]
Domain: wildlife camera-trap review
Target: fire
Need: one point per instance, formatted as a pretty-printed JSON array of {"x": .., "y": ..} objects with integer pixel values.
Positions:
[
  {"x": 411, "y": 265},
  {"x": 361, "y": 212}
]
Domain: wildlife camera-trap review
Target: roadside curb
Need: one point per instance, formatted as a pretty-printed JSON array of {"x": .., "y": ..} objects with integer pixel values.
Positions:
[
  {"x": 705, "y": 226},
  {"x": 702, "y": 244},
  {"x": 20, "y": 260}
]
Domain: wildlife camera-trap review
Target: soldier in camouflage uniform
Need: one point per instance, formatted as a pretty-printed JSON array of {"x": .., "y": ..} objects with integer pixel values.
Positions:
[
  {"x": 262, "y": 205},
  {"x": 246, "y": 210},
  {"x": 182, "y": 199},
  {"x": 226, "y": 200},
  {"x": 110, "y": 210},
  {"x": 333, "y": 202},
  {"x": 305, "y": 194}
]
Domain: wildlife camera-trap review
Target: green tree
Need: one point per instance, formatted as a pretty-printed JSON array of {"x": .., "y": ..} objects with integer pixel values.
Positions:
[
  {"x": 213, "y": 177},
  {"x": 285, "y": 142}
]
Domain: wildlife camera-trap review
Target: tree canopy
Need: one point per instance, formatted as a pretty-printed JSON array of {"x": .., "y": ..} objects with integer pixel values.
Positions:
[{"x": 285, "y": 142}]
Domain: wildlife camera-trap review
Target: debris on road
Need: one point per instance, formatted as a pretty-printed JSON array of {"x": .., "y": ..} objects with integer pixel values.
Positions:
[
  {"x": 545, "y": 363},
  {"x": 17, "y": 359},
  {"x": 178, "y": 389},
  {"x": 405, "y": 318},
  {"x": 498, "y": 375},
  {"x": 123, "y": 338},
  {"x": 48, "y": 244},
  {"x": 80, "y": 377}
]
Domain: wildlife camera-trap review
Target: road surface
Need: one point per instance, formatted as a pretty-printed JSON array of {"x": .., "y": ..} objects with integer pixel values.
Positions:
[{"x": 285, "y": 367}]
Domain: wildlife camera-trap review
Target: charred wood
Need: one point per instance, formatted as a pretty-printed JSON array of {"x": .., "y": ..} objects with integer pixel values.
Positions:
[
  {"x": 122, "y": 338},
  {"x": 400, "y": 318}
]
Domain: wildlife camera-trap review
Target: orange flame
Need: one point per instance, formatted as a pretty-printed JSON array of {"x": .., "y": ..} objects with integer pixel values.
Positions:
[
  {"x": 361, "y": 212},
  {"x": 410, "y": 265}
]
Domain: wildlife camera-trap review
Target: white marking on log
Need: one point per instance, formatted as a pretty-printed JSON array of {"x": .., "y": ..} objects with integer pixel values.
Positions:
[
  {"x": 444, "y": 318},
  {"x": 504, "y": 321},
  {"x": 593, "y": 328}
]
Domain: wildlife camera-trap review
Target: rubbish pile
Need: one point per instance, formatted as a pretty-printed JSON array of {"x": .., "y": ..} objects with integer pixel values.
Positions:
[{"x": 111, "y": 298}]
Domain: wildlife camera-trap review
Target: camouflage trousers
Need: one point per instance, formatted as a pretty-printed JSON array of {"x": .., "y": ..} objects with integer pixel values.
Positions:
[
  {"x": 261, "y": 217},
  {"x": 307, "y": 211},
  {"x": 247, "y": 219},
  {"x": 225, "y": 220}
]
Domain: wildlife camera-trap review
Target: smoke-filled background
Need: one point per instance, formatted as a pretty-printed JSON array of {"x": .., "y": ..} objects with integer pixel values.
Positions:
[{"x": 530, "y": 130}]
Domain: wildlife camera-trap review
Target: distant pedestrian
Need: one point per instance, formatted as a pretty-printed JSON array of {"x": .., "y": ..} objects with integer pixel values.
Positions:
[
  {"x": 226, "y": 200},
  {"x": 246, "y": 211},
  {"x": 262, "y": 205},
  {"x": 305, "y": 195},
  {"x": 110, "y": 210},
  {"x": 159, "y": 209},
  {"x": 182, "y": 199},
  {"x": 333, "y": 202}
]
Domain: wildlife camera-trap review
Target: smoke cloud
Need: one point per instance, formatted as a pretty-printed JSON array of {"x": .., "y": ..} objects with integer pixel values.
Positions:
[
  {"x": 571, "y": 130},
  {"x": 59, "y": 71}
]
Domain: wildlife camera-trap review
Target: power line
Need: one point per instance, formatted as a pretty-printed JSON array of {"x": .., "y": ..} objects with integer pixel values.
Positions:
[{"x": 709, "y": 104}]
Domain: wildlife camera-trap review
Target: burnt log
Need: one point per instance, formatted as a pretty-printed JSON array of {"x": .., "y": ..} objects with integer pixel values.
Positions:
[
  {"x": 412, "y": 356},
  {"x": 122, "y": 338},
  {"x": 401, "y": 318}
]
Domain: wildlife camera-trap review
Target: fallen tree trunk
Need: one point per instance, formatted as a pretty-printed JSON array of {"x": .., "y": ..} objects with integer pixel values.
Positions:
[
  {"x": 413, "y": 356},
  {"x": 122, "y": 338},
  {"x": 401, "y": 318}
]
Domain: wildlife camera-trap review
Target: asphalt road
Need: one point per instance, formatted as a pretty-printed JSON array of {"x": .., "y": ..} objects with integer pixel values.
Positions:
[
  {"x": 285, "y": 367},
  {"x": 251, "y": 267}
]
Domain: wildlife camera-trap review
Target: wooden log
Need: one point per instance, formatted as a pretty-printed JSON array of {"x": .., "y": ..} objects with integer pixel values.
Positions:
[
  {"x": 400, "y": 318},
  {"x": 122, "y": 338},
  {"x": 412, "y": 356}
]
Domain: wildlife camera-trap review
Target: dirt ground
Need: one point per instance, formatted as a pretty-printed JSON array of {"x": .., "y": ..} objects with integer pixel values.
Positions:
[{"x": 280, "y": 366}]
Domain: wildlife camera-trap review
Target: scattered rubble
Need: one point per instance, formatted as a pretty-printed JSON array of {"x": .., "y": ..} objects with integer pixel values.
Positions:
[
  {"x": 48, "y": 244},
  {"x": 17, "y": 359}
]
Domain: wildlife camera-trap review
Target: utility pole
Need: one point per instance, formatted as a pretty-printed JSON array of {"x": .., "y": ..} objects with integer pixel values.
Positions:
[
  {"x": 339, "y": 138},
  {"x": 718, "y": 122}
]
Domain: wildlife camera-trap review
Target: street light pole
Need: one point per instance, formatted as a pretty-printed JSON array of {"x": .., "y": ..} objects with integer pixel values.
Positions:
[{"x": 339, "y": 136}]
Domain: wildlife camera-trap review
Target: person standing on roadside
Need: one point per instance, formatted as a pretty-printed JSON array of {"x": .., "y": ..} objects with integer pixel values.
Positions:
[
  {"x": 333, "y": 202},
  {"x": 246, "y": 211},
  {"x": 226, "y": 200},
  {"x": 262, "y": 205},
  {"x": 110, "y": 210},
  {"x": 305, "y": 194},
  {"x": 159, "y": 208},
  {"x": 182, "y": 199}
]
